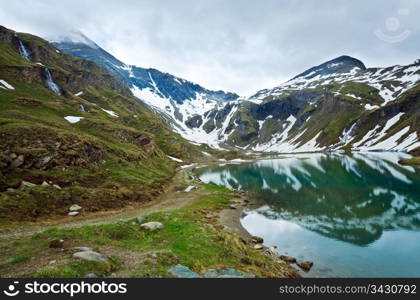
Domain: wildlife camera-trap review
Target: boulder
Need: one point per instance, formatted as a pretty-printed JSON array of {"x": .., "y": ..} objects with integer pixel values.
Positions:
[
  {"x": 26, "y": 184},
  {"x": 17, "y": 162},
  {"x": 181, "y": 271},
  {"x": 257, "y": 240},
  {"x": 151, "y": 226},
  {"x": 45, "y": 184},
  {"x": 226, "y": 273},
  {"x": 140, "y": 219},
  {"x": 232, "y": 206},
  {"x": 90, "y": 256},
  {"x": 57, "y": 186},
  {"x": 75, "y": 207},
  {"x": 258, "y": 246},
  {"x": 288, "y": 259},
  {"x": 305, "y": 265},
  {"x": 73, "y": 213},
  {"x": 80, "y": 248}
]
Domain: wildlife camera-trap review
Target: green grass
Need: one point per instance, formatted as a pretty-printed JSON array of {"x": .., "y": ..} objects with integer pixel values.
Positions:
[{"x": 187, "y": 238}]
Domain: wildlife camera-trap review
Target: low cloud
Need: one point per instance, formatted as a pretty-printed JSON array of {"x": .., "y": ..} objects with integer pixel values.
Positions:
[{"x": 239, "y": 46}]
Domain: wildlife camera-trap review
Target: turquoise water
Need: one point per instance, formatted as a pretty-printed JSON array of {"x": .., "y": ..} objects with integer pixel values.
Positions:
[{"x": 354, "y": 215}]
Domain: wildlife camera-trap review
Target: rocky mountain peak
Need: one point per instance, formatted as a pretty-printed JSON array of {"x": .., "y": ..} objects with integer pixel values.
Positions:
[{"x": 342, "y": 64}]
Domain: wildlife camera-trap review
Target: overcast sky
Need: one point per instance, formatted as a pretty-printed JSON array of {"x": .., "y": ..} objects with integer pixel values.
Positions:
[{"x": 236, "y": 45}]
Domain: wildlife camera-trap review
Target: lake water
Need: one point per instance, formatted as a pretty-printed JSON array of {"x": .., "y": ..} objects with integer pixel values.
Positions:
[{"x": 354, "y": 215}]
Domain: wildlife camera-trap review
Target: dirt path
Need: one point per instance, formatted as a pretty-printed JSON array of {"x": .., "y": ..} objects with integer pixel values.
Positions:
[{"x": 168, "y": 201}]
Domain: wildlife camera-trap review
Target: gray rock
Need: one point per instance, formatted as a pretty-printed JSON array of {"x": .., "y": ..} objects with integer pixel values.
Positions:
[
  {"x": 258, "y": 246},
  {"x": 45, "y": 184},
  {"x": 73, "y": 213},
  {"x": 151, "y": 226},
  {"x": 190, "y": 188},
  {"x": 43, "y": 162},
  {"x": 90, "y": 256},
  {"x": 90, "y": 275},
  {"x": 17, "y": 162},
  {"x": 181, "y": 271},
  {"x": 75, "y": 207},
  {"x": 226, "y": 273},
  {"x": 232, "y": 206},
  {"x": 10, "y": 190},
  {"x": 140, "y": 219},
  {"x": 26, "y": 184},
  {"x": 57, "y": 186},
  {"x": 52, "y": 262},
  {"x": 79, "y": 248}
]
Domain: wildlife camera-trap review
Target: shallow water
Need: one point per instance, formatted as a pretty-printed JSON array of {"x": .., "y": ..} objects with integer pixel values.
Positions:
[{"x": 354, "y": 215}]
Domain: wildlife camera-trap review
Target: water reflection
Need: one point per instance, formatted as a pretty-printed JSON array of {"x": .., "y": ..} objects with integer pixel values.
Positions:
[{"x": 352, "y": 198}]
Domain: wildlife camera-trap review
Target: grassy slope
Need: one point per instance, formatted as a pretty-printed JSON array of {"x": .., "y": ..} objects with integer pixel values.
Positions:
[
  {"x": 100, "y": 162},
  {"x": 189, "y": 238}
]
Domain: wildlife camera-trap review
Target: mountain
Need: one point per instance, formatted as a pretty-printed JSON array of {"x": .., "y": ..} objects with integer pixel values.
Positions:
[
  {"x": 336, "y": 105},
  {"x": 177, "y": 100},
  {"x": 72, "y": 131}
]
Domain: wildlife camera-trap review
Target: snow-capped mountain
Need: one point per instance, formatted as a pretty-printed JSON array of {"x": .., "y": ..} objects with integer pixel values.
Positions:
[
  {"x": 390, "y": 82},
  {"x": 178, "y": 100},
  {"x": 339, "y": 104}
]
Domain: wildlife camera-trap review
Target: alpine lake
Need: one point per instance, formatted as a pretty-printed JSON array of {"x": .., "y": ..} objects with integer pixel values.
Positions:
[{"x": 353, "y": 215}]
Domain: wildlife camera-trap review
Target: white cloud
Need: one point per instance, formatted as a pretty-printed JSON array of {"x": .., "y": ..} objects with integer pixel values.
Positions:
[{"x": 239, "y": 46}]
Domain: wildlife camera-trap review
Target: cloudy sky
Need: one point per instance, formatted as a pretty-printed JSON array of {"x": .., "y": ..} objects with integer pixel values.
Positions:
[{"x": 236, "y": 45}]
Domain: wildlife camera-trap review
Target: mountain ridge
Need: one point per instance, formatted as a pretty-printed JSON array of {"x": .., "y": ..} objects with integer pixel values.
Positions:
[{"x": 274, "y": 119}]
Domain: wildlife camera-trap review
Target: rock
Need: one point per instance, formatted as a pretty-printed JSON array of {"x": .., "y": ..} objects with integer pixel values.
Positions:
[
  {"x": 257, "y": 240},
  {"x": 190, "y": 188},
  {"x": 43, "y": 162},
  {"x": 52, "y": 262},
  {"x": 247, "y": 200},
  {"x": 17, "y": 162},
  {"x": 56, "y": 244},
  {"x": 75, "y": 207},
  {"x": 57, "y": 186},
  {"x": 305, "y": 265},
  {"x": 13, "y": 155},
  {"x": 10, "y": 190},
  {"x": 79, "y": 248},
  {"x": 232, "y": 206},
  {"x": 288, "y": 259},
  {"x": 73, "y": 213},
  {"x": 258, "y": 246},
  {"x": 181, "y": 271},
  {"x": 45, "y": 184},
  {"x": 90, "y": 275},
  {"x": 226, "y": 273},
  {"x": 151, "y": 226},
  {"x": 91, "y": 256},
  {"x": 273, "y": 250},
  {"x": 26, "y": 184}
]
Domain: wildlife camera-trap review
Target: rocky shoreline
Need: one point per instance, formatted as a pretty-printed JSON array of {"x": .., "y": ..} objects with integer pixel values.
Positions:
[{"x": 230, "y": 218}]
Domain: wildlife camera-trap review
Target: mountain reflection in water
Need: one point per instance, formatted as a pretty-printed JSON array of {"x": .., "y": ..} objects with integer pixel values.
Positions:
[{"x": 352, "y": 198}]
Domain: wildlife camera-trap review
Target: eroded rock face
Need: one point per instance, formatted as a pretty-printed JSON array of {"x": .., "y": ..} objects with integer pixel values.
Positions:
[{"x": 194, "y": 122}]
